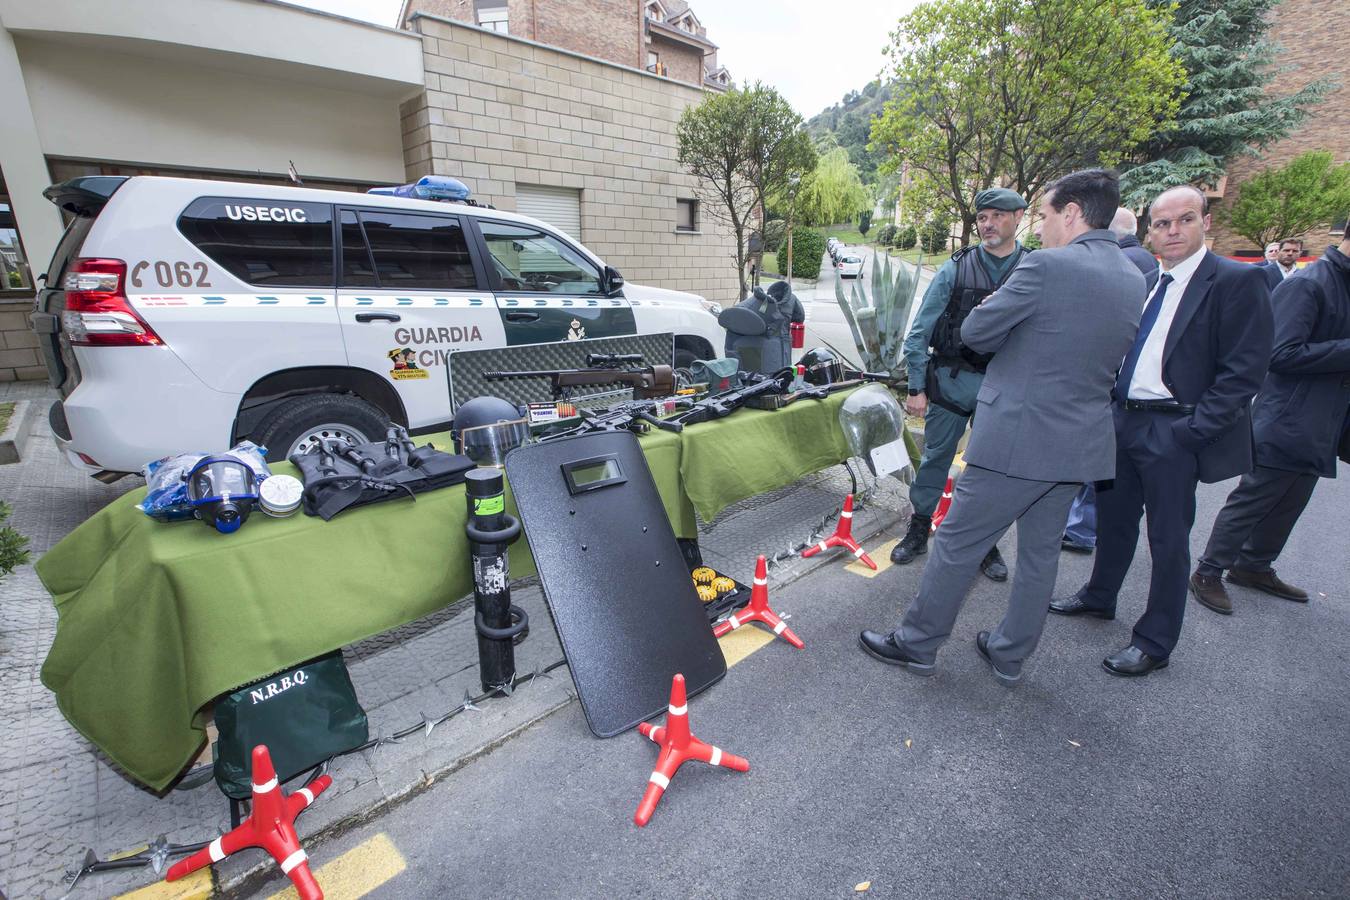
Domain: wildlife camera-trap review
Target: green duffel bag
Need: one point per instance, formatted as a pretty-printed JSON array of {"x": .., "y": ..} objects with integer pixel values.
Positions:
[{"x": 304, "y": 715}]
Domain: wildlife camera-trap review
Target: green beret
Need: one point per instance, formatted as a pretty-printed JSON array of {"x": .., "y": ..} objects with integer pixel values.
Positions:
[{"x": 999, "y": 198}]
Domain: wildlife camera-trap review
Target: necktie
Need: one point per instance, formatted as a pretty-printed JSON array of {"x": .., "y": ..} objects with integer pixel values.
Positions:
[{"x": 1146, "y": 323}]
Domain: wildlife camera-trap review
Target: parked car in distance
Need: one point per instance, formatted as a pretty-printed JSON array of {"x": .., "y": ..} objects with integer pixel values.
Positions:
[{"x": 850, "y": 265}]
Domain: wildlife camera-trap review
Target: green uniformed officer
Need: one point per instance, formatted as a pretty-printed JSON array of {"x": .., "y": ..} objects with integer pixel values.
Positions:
[{"x": 944, "y": 374}]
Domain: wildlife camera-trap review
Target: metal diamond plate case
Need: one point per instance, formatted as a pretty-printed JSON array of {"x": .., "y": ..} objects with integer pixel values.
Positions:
[{"x": 467, "y": 367}]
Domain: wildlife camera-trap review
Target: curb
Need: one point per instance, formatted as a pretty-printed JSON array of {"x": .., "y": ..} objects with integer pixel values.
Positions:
[{"x": 15, "y": 435}]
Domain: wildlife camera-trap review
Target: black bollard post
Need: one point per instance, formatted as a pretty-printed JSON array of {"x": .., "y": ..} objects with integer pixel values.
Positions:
[{"x": 491, "y": 532}]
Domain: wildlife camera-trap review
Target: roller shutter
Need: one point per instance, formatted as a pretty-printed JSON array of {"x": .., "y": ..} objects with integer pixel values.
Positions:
[{"x": 558, "y": 206}]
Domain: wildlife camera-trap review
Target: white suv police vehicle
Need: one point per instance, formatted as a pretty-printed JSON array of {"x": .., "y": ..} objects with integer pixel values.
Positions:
[{"x": 181, "y": 314}]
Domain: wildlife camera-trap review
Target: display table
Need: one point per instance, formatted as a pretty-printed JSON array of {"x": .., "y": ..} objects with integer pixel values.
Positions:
[{"x": 157, "y": 620}]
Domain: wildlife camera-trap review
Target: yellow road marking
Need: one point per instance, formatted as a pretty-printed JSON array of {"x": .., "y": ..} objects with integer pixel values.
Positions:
[
  {"x": 737, "y": 645},
  {"x": 357, "y": 872},
  {"x": 196, "y": 886},
  {"x": 881, "y": 556}
]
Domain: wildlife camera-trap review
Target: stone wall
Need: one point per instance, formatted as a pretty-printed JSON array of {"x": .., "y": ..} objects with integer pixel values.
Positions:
[
  {"x": 1315, "y": 35},
  {"x": 19, "y": 357},
  {"x": 500, "y": 111}
]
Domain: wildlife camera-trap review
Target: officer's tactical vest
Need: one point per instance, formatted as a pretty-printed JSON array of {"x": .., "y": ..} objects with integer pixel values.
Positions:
[{"x": 971, "y": 286}]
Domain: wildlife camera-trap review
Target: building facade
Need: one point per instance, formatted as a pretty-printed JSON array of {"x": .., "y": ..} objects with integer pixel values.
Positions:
[
  {"x": 568, "y": 138},
  {"x": 1315, "y": 36},
  {"x": 578, "y": 133},
  {"x": 663, "y": 37}
]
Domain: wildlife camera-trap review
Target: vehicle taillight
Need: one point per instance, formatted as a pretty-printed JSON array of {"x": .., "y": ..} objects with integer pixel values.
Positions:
[{"x": 98, "y": 313}]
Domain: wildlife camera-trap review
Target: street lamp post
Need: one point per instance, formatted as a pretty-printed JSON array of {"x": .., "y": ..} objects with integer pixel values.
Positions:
[{"x": 793, "y": 181}]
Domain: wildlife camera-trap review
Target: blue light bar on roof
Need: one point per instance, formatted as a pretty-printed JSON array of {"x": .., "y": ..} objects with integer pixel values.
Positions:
[{"x": 428, "y": 187}]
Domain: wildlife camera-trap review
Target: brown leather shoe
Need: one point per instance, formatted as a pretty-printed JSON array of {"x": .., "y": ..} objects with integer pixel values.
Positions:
[
  {"x": 1208, "y": 590},
  {"x": 1268, "y": 582}
]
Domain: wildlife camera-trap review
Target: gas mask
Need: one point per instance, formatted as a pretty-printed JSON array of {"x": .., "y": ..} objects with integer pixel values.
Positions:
[{"x": 222, "y": 491}]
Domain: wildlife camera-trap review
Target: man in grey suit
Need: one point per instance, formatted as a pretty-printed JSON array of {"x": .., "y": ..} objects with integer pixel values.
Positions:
[{"x": 1059, "y": 328}]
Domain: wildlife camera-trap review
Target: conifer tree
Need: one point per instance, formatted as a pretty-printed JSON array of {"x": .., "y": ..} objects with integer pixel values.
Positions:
[{"x": 1227, "y": 112}]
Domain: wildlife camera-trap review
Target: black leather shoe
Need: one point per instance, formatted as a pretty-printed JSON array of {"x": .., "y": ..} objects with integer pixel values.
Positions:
[
  {"x": 1077, "y": 606},
  {"x": 993, "y": 566},
  {"x": 914, "y": 542},
  {"x": 1132, "y": 662},
  {"x": 982, "y": 645},
  {"x": 883, "y": 647},
  {"x": 1208, "y": 592},
  {"x": 1075, "y": 547},
  {"x": 1268, "y": 582}
]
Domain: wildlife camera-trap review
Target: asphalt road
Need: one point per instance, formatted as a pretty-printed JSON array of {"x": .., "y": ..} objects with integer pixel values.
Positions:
[
  {"x": 1225, "y": 775},
  {"x": 825, "y": 323}
]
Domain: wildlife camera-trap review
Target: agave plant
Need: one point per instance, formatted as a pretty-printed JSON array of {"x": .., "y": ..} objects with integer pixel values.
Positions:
[{"x": 879, "y": 323}]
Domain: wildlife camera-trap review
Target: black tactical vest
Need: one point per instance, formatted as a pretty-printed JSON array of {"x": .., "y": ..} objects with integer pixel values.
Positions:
[{"x": 971, "y": 286}]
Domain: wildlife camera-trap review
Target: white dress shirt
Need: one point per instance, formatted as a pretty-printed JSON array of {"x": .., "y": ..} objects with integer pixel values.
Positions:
[
  {"x": 1286, "y": 273},
  {"x": 1147, "y": 383}
]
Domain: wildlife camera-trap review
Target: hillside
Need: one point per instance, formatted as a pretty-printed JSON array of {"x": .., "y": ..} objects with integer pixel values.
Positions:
[{"x": 849, "y": 122}]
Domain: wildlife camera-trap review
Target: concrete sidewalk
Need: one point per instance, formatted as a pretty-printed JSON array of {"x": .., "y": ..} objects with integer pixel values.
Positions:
[{"x": 60, "y": 797}]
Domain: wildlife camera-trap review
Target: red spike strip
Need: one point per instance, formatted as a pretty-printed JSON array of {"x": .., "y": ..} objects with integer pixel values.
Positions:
[
  {"x": 758, "y": 611},
  {"x": 843, "y": 537},
  {"x": 678, "y": 746},
  {"x": 270, "y": 826},
  {"x": 944, "y": 506}
]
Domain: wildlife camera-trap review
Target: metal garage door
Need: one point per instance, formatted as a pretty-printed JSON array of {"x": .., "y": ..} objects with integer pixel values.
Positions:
[{"x": 558, "y": 206}]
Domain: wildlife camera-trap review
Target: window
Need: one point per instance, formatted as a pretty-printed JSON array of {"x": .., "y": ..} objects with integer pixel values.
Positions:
[
  {"x": 653, "y": 60},
  {"x": 410, "y": 252},
  {"x": 358, "y": 270},
  {"x": 686, "y": 215},
  {"x": 268, "y": 243},
  {"x": 526, "y": 259},
  {"x": 492, "y": 15},
  {"x": 13, "y": 267}
]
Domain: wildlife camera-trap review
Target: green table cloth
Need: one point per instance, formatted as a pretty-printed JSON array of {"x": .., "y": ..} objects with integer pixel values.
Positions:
[{"x": 157, "y": 620}]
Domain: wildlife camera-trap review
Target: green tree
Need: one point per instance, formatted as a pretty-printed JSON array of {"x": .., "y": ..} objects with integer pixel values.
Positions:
[
  {"x": 1289, "y": 201},
  {"x": 1227, "y": 111},
  {"x": 743, "y": 146},
  {"x": 1018, "y": 93},
  {"x": 833, "y": 192},
  {"x": 864, "y": 221}
]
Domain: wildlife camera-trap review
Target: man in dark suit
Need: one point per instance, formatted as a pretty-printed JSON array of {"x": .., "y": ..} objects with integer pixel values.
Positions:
[
  {"x": 1080, "y": 531},
  {"x": 1285, "y": 263},
  {"x": 1183, "y": 397},
  {"x": 1300, "y": 418},
  {"x": 1042, "y": 425}
]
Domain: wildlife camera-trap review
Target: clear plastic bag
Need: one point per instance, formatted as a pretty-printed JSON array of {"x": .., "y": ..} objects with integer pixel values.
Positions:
[{"x": 166, "y": 495}]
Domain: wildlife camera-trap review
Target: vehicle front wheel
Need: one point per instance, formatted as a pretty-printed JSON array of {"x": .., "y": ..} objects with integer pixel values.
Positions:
[{"x": 302, "y": 422}]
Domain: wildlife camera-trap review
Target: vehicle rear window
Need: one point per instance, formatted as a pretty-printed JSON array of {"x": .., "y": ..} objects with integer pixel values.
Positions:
[
  {"x": 411, "y": 251},
  {"x": 68, "y": 249},
  {"x": 268, "y": 243}
]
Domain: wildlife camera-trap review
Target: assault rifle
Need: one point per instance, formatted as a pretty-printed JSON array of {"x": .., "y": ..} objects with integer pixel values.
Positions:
[
  {"x": 636, "y": 416},
  {"x": 727, "y": 402},
  {"x": 603, "y": 368}
]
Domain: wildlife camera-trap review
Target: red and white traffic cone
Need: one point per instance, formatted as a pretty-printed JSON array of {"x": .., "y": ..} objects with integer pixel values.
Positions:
[
  {"x": 843, "y": 536},
  {"x": 270, "y": 826},
  {"x": 758, "y": 610},
  {"x": 678, "y": 745},
  {"x": 944, "y": 505}
]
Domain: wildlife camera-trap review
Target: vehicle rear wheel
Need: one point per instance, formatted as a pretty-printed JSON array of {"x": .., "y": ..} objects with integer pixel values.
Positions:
[{"x": 301, "y": 422}]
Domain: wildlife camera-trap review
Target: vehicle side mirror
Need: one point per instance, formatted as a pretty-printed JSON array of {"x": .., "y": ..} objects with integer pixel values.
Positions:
[{"x": 613, "y": 282}]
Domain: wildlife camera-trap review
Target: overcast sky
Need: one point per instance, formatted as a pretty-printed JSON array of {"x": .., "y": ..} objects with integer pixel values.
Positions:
[{"x": 813, "y": 53}]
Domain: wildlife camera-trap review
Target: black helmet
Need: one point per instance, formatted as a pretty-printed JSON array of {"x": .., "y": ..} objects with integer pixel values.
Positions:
[
  {"x": 485, "y": 428},
  {"x": 823, "y": 366}
]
